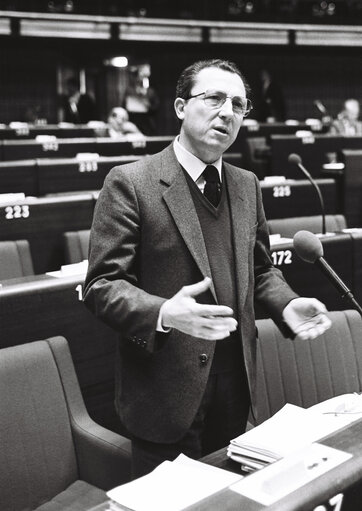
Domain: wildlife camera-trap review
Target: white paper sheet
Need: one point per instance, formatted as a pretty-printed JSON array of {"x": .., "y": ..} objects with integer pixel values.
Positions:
[
  {"x": 293, "y": 426},
  {"x": 173, "y": 486}
]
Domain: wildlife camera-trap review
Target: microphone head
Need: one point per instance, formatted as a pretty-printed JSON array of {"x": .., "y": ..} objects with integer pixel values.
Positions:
[
  {"x": 295, "y": 159},
  {"x": 307, "y": 246},
  {"x": 318, "y": 103}
]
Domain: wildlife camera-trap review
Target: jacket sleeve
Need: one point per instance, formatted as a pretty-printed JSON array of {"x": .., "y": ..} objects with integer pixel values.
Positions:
[
  {"x": 112, "y": 289},
  {"x": 271, "y": 289}
]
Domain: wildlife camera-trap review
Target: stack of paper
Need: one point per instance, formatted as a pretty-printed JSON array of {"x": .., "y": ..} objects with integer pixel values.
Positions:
[
  {"x": 70, "y": 269},
  {"x": 292, "y": 428},
  {"x": 173, "y": 486}
]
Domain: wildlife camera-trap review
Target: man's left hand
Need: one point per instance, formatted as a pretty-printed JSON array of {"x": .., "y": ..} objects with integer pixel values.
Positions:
[{"x": 306, "y": 317}]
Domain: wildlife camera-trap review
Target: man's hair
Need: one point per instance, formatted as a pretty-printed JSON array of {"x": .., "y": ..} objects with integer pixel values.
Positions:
[{"x": 188, "y": 76}]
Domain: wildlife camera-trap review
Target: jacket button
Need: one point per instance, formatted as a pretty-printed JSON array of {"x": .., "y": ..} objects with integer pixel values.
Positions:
[{"x": 203, "y": 358}]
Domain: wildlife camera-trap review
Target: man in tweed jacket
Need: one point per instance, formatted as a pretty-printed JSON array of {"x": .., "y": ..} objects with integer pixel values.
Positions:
[{"x": 175, "y": 271}]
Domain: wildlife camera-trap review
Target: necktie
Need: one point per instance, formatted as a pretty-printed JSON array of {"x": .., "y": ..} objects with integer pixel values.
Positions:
[{"x": 212, "y": 186}]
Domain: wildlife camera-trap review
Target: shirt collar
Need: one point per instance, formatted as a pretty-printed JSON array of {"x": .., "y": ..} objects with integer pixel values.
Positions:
[{"x": 193, "y": 165}]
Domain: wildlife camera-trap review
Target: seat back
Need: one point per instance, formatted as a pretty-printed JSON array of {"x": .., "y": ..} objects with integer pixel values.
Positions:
[
  {"x": 76, "y": 246},
  {"x": 287, "y": 227},
  {"x": 305, "y": 373},
  {"x": 37, "y": 455},
  {"x": 255, "y": 155},
  {"x": 15, "y": 259}
]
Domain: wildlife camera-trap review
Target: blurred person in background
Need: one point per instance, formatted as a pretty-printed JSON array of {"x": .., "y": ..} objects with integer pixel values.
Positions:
[
  {"x": 272, "y": 105},
  {"x": 347, "y": 123},
  {"x": 119, "y": 124},
  {"x": 141, "y": 100},
  {"x": 75, "y": 107}
]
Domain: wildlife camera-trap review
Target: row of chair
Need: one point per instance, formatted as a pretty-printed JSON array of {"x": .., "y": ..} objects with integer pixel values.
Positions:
[
  {"x": 16, "y": 259},
  {"x": 58, "y": 458}
]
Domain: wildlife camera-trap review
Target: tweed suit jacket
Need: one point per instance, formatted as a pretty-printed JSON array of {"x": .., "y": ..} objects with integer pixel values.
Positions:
[{"x": 146, "y": 243}]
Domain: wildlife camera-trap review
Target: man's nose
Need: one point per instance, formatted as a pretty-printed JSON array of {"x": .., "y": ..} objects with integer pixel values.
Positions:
[{"x": 227, "y": 108}]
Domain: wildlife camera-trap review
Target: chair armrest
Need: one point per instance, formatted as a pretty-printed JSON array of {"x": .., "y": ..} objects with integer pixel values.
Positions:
[{"x": 104, "y": 457}]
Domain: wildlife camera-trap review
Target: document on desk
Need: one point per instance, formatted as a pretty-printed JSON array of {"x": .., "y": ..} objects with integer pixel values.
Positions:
[
  {"x": 173, "y": 486},
  {"x": 291, "y": 428},
  {"x": 68, "y": 270}
]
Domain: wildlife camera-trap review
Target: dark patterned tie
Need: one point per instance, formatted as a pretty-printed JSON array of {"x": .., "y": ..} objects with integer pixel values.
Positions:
[{"x": 212, "y": 186}]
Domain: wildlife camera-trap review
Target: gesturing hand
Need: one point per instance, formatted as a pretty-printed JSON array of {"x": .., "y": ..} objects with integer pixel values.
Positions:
[
  {"x": 209, "y": 322},
  {"x": 306, "y": 317}
]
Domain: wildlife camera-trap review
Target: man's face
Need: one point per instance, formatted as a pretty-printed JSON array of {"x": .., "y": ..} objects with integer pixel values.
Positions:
[
  {"x": 352, "y": 110},
  {"x": 118, "y": 118},
  {"x": 207, "y": 131}
]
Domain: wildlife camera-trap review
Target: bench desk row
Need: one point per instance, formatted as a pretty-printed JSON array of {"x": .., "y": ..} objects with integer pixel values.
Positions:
[{"x": 70, "y": 147}]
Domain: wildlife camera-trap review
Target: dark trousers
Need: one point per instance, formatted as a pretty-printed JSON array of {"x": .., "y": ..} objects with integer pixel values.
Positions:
[{"x": 222, "y": 415}]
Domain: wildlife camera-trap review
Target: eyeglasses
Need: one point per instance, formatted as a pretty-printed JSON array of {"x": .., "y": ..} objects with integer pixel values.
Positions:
[{"x": 216, "y": 99}]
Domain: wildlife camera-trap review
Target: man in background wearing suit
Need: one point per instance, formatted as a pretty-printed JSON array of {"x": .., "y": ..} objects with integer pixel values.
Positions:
[
  {"x": 347, "y": 123},
  {"x": 179, "y": 250},
  {"x": 75, "y": 107}
]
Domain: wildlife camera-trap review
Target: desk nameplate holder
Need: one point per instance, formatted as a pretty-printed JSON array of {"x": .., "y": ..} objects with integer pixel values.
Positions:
[{"x": 290, "y": 473}]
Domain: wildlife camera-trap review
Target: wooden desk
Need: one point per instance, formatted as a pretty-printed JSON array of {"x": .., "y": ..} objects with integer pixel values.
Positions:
[
  {"x": 70, "y": 147},
  {"x": 313, "y": 151},
  {"x": 298, "y": 198},
  {"x": 342, "y": 251},
  {"x": 351, "y": 184},
  {"x": 56, "y": 175},
  {"x": 266, "y": 129},
  {"x": 252, "y": 141},
  {"x": 319, "y": 491},
  {"x": 32, "y": 131},
  {"x": 19, "y": 177},
  {"x": 58, "y": 148},
  {"x": 43, "y": 176},
  {"x": 42, "y": 221},
  {"x": 342, "y": 479}
]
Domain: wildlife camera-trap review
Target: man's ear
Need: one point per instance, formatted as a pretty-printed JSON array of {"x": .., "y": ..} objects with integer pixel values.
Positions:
[{"x": 180, "y": 108}]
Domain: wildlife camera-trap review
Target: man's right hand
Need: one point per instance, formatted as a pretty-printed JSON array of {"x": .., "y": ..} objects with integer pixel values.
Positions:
[{"x": 211, "y": 322}]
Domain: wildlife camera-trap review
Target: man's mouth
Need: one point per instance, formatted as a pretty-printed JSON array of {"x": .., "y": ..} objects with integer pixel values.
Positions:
[{"x": 221, "y": 129}]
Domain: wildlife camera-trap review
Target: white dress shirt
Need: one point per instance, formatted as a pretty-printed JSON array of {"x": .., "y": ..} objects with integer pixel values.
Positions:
[{"x": 194, "y": 167}]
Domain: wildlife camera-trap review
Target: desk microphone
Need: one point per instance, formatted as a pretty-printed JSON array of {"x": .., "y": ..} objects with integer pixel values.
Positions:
[
  {"x": 297, "y": 160},
  {"x": 318, "y": 103},
  {"x": 326, "y": 118},
  {"x": 309, "y": 248}
]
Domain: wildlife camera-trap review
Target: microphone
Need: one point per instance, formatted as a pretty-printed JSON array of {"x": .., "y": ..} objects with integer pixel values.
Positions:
[
  {"x": 295, "y": 159},
  {"x": 326, "y": 117},
  {"x": 309, "y": 248},
  {"x": 318, "y": 103}
]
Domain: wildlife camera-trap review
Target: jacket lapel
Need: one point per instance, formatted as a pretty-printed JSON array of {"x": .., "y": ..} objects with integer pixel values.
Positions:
[
  {"x": 180, "y": 204},
  {"x": 240, "y": 225}
]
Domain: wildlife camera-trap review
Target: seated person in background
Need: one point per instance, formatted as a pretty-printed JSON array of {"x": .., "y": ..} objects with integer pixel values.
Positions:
[
  {"x": 347, "y": 123},
  {"x": 119, "y": 125},
  {"x": 272, "y": 104},
  {"x": 75, "y": 107}
]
